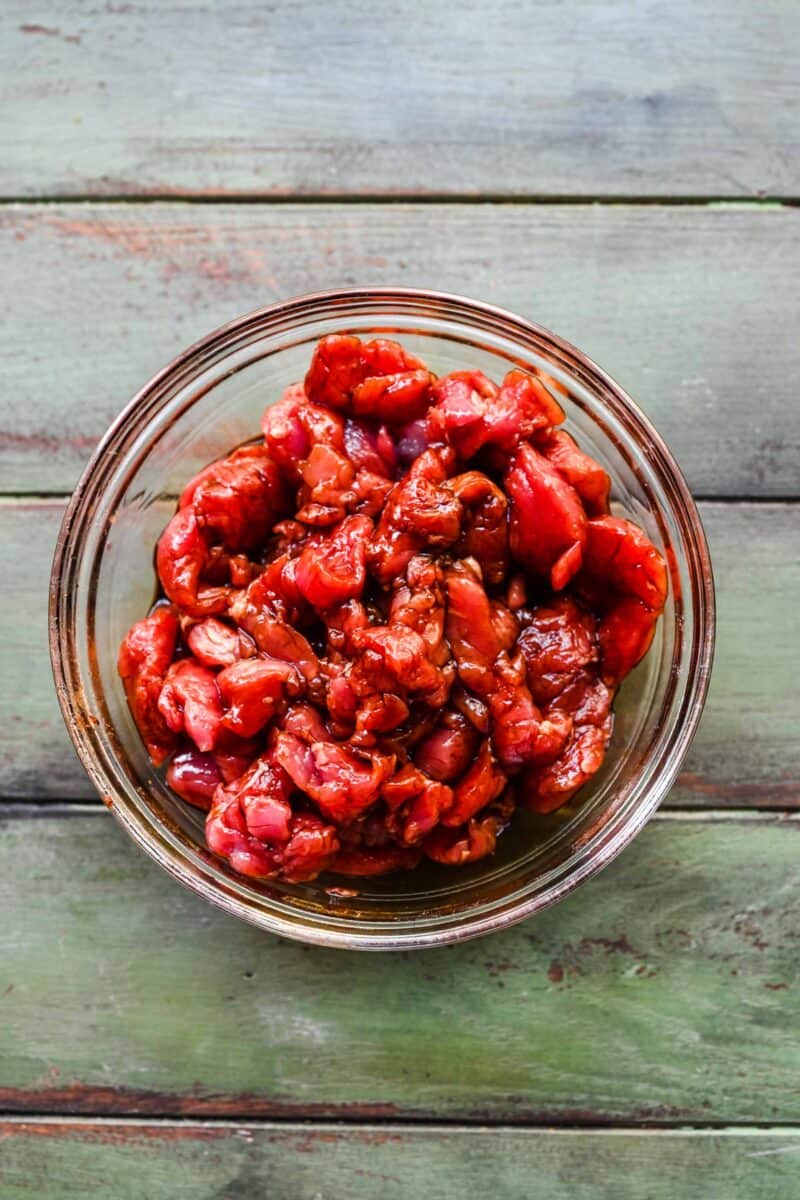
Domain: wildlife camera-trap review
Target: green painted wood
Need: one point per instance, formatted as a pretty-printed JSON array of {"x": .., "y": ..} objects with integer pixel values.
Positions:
[
  {"x": 746, "y": 752},
  {"x": 36, "y": 755},
  {"x": 687, "y": 307},
  {"x": 70, "y": 1160},
  {"x": 318, "y": 97},
  {"x": 664, "y": 990}
]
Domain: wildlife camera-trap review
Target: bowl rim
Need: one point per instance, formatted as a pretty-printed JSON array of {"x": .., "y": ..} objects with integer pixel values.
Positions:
[{"x": 80, "y": 723}]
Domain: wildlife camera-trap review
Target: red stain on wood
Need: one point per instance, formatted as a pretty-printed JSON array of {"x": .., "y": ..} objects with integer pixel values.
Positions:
[
  {"x": 619, "y": 945},
  {"x": 78, "y": 1099},
  {"x": 783, "y": 790},
  {"x": 136, "y": 240},
  {"x": 240, "y": 263},
  {"x": 750, "y": 931},
  {"x": 102, "y": 1133},
  {"x": 46, "y": 444},
  {"x": 572, "y": 959},
  {"x": 500, "y": 967},
  {"x": 51, "y": 31}
]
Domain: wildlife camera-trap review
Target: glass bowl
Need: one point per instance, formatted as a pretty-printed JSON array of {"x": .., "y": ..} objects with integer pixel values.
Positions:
[{"x": 211, "y": 399}]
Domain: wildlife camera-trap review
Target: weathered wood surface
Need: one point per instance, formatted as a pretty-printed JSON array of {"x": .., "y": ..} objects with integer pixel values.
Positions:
[
  {"x": 664, "y": 990},
  {"x": 686, "y": 306},
  {"x": 664, "y": 993},
  {"x": 72, "y": 1160},
  {"x": 747, "y": 751},
  {"x": 340, "y": 98}
]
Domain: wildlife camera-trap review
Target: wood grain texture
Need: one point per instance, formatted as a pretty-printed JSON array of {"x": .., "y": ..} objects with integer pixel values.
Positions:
[
  {"x": 687, "y": 307},
  {"x": 664, "y": 990},
  {"x": 338, "y": 98},
  {"x": 745, "y": 753},
  {"x": 72, "y": 1160}
]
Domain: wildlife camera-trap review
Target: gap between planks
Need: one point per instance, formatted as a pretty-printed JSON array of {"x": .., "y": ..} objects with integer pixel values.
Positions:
[
  {"x": 400, "y": 197},
  {"x": 409, "y": 1125}
]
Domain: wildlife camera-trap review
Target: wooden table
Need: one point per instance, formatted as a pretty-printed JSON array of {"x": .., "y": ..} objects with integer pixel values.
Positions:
[{"x": 625, "y": 173}]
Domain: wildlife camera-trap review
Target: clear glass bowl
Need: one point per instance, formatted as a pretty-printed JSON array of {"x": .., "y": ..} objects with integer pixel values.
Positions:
[{"x": 210, "y": 399}]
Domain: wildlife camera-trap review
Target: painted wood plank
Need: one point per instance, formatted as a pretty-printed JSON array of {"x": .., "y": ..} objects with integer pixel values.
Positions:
[
  {"x": 317, "y": 97},
  {"x": 72, "y": 1160},
  {"x": 746, "y": 751},
  {"x": 687, "y": 307},
  {"x": 36, "y": 755},
  {"x": 665, "y": 990}
]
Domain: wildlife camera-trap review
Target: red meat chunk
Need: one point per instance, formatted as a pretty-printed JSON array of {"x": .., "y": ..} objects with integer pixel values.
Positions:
[
  {"x": 234, "y": 755},
  {"x": 416, "y": 804},
  {"x": 343, "y": 622},
  {"x": 368, "y": 450},
  {"x": 448, "y": 751},
  {"x": 341, "y": 782},
  {"x": 482, "y": 783},
  {"x": 393, "y": 398},
  {"x": 238, "y": 499},
  {"x": 378, "y": 714},
  {"x": 472, "y": 412},
  {"x": 418, "y": 603},
  {"x": 195, "y": 777},
  {"x": 312, "y": 848},
  {"x": 524, "y": 406},
  {"x": 326, "y": 494},
  {"x": 627, "y": 579},
  {"x": 252, "y": 691},
  {"x": 585, "y": 698},
  {"x": 181, "y": 559},
  {"x": 378, "y": 379},
  {"x": 144, "y": 659},
  {"x": 467, "y": 844},
  {"x": 215, "y": 644},
  {"x": 419, "y": 513},
  {"x": 485, "y": 524},
  {"x": 394, "y": 658},
  {"x": 190, "y": 702},
  {"x": 335, "y": 571},
  {"x": 304, "y": 721},
  {"x": 587, "y": 477},
  {"x": 558, "y": 640},
  {"x": 620, "y": 557},
  {"x": 284, "y": 434},
  {"x": 549, "y": 787},
  {"x": 548, "y": 524},
  {"x": 252, "y": 825},
  {"x": 485, "y": 668},
  {"x": 462, "y": 401},
  {"x": 625, "y": 635},
  {"x": 263, "y": 614}
]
